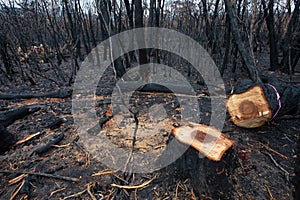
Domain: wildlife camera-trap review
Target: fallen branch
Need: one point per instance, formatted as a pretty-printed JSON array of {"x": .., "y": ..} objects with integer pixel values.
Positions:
[
  {"x": 8, "y": 118},
  {"x": 75, "y": 195},
  {"x": 61, "y": 93},
  {"x": 46, "y": 147},
  {"x": 42, "y": 174}
]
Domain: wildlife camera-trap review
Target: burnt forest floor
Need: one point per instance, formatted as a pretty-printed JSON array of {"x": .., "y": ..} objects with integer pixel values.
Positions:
[{"x": 265, "y": 157}]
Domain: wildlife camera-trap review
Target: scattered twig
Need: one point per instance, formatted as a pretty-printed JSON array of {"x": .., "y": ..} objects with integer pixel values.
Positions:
[
  {"x": 276, "y": 152},
  {"x": 56, "y": 191},
  {"x": 75, "y": 195},
  {"x": 17, "y": 179},
  {"x": 27, "y": 138},
  {"x": 134, "y": 186},
  {"x": 176, "y": 191},
  {"x": 62, "y": 146},
  {"x": 272, "y": 150},
  {"x": 89, "y": 185},
  {"x": 66, "y": 178},
  {"x": 105, "y": 172},
  {"x": 17, "y": 190},
  {"x": 286, "y": 173},
  {"x": 270, "y": 194}
]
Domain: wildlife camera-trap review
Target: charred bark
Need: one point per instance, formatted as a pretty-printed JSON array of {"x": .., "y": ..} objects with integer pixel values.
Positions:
[
  {"x": 207, "y": 177},
  {"x": 249, "y": 62},
  {"x": 272, "y": 34},
  {"x": 61, "y": 93},
  {"x": 6, "y": 138}
]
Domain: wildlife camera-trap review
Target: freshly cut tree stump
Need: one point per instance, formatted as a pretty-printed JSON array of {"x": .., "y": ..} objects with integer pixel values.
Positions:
[
  {"x": 253, "y": 104},
  {"x": 207, "y": 140}
]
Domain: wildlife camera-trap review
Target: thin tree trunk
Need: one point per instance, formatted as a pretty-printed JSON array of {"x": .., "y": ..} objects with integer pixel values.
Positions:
[
  {"x": 249, "y": 62},
  {"x": 272, "y": 34},
  {"x": 288, "y": 40}
]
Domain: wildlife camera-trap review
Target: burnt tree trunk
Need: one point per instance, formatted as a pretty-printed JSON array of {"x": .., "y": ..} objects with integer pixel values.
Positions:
[
  {"x": 287, "y": 42},
  {"x": 297, "y": 172},
  {"x": 272, "y": 35},
  {"x": 227, "y": 44},
  {"x": 104, "y": 9},
  {"x": 61, "y": 93},
  {"x": 7, "y": 118},
  {"x": 141, "y": 37},
  {"x": 249, "y": 62}
]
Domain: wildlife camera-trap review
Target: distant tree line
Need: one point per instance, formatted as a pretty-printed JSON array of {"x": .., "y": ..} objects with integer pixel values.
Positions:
[{"x": 34, "y": 33}]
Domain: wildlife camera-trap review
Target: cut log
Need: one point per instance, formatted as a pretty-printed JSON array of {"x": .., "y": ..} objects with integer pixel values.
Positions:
[
  {"x": 253, "y": 104},
  {"x": 153, "y": 87},
  {"x": 207, "y": 140},
  {"x": 61, "y": 93}
]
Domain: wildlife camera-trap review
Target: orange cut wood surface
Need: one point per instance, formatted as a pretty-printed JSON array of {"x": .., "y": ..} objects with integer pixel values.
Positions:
[
  {"x": 207, "y": 140},
  {"x": 249, "y": 109}
]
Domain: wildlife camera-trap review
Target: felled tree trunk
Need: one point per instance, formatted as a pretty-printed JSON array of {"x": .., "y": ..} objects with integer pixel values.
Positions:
[
  {"x": 61, "y": 93},
  {"x": 252, "y": 104}
]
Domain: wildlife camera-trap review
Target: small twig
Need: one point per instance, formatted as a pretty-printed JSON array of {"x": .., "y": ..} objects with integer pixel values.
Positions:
[
  {"x": 89, "y": 185},
  {"x": 27, "y": 138},
  {"x": 17, "y": 190},
  {"x": 176, "y": 191},
  {"x": 272, "y": 150},
  {"x": 105, "y": 172},
  {"x": 66, "y": 178},
  {"x": 56, "y": 191},
  {"x": 17, "y": 179},
  {"x": 286, "y": 173},
  {"x": 134, "y": 186},
  {"x": 270, "y": 194},
  {"x": 75, "y": 195}
]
